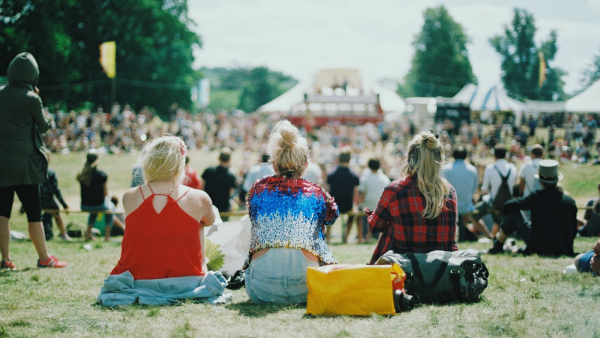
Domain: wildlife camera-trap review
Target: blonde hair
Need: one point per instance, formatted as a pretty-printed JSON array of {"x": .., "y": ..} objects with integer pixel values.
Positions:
[
  {"x": 163, "y": 159},
  {"x": 287, "y": 149},
  {"x": 424, "y": 162}
]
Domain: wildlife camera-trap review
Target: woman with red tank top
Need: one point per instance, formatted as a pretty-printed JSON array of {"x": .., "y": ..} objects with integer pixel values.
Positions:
[{"x": 165, "y": 226}]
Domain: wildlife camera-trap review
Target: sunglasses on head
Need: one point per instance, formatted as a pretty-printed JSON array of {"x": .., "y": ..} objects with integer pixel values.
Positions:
[{"x": 434, "y": 134}]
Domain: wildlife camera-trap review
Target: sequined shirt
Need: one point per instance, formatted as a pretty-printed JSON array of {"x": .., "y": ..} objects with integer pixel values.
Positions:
[{"x": 290, "y": 213}]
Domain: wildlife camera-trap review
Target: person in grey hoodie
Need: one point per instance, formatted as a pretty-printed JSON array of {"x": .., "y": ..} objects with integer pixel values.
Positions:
[{"x": 23, "y": 158}]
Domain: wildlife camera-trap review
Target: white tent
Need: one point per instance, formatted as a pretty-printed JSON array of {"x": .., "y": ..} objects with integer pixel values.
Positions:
[
  {"x": 390, "y": 101},
  {"x": 586, "y": 102},
  {"x": 492, "y": 100},
  {"x": 286, "y": 101}
]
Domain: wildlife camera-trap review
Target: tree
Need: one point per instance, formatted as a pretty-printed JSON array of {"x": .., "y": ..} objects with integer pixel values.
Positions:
[
  {"x": 440, "y": 66},
  {"x": 521, "y": 60},
  {"x": 257, "y": 91},
  {"x": 592, "y": 73},
  {"x": 154, "y": 49}
]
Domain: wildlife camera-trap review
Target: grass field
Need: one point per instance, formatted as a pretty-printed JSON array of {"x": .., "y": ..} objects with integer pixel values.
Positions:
[{"x": 526, "y": 296}]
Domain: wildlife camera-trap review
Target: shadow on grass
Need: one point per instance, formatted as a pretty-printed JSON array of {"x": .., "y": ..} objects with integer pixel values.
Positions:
[
  {"x": 250, "y": 309},
  {"x": 8, "y": 273}
]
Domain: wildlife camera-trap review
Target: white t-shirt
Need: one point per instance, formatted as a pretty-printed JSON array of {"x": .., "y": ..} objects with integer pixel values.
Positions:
[
  {"x": 492, "y": 180},
  {"x": 313, "y": 173},
  {"x": 527, "y": 172},
  {"x": 372, "y": 185},
  {"x": 256, "y": 173}
]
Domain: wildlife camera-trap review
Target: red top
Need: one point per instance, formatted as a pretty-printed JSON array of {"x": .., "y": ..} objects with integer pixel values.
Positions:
[
  {"x": 192, "y": 179},
  {"x": 160, "y": 245}
]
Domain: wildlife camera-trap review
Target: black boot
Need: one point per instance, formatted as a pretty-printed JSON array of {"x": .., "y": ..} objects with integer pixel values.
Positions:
[{"x": 497, "y": 248}]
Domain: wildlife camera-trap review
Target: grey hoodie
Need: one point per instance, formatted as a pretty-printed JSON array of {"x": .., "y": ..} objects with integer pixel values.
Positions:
[{"x": 23, "y": 158}]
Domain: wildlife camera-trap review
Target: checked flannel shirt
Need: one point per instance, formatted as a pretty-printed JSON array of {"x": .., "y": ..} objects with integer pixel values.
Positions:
[{"x": 398, "y": 216}]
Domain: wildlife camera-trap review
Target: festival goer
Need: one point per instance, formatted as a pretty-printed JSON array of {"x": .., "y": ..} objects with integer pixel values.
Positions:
[
  {"x": 343, "y": 187},
  {"x": 288, "y": 216},
  {"x": 191, "y": 178},
  {"x": 219, "y": 183},
  {"x": 23, "y": 157},
  {"x": 464, "y": 178},
  {"x": 553, "y": 223},
  {"x": 372, "y": 184},
  {"x": 589, "y": 261},
  {"x": 492, "y": 180},
  {"x": 592, "y": 219},
  {"x": 94, "y": 191},
  {"x": 48, "y": 190},
  {"x": 527, "y": 181},
  {"x": 165, "y": 223},
  {"x": 257, "y": 172},
  {"x": 418, "y": 212}
]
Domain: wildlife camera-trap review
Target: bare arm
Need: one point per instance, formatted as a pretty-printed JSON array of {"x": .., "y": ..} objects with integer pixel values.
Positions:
[{"x": 105, "y": 189}]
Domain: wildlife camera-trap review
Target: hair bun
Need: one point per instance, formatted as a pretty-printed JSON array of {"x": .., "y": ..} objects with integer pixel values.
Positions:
[
  {"x": 430, "y": 140},
  {"x": 288, "y": 138}
]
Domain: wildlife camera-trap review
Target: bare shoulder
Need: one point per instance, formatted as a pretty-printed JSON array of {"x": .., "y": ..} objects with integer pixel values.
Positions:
[
  {"x": 129, "y": 193},
  {"x": 199, "y": 195}
]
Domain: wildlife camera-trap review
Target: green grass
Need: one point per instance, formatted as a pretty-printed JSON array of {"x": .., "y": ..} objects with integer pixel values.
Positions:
[{"x": 526, "y": 297}]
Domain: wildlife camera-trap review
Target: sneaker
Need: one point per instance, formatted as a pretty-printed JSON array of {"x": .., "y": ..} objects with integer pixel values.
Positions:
[
  {"x": 8, "y": 265},
  {"x": 497, "y": 248},
  {"x": 51, "y": 262},
  {"x": 66, "y": 238}
]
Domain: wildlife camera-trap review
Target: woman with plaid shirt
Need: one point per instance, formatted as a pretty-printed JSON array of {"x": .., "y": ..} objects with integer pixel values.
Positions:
[{"x": 418, "y": 212}]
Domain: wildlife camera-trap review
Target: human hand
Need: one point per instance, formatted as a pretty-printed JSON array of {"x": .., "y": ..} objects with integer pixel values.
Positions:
[
  {"x": 36, "y": 90},
  {"x": 66, "y": 209},
  {"x": 597, "y": 248},
  {"x": 595, "y": 263}
]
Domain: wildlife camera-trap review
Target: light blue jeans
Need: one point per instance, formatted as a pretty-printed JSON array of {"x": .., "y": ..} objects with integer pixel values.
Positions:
[
  {"x": 106, "y": 206},
  {"x": 278, "y": 277}
]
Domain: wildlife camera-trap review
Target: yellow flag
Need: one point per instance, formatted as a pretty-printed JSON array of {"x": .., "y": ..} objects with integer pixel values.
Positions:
[
  {"x": 108, "y": 51},
  {"x": 542, "y": 69}
]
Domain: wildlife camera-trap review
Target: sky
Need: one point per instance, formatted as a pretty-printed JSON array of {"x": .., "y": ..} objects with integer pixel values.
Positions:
[{"x": 301, "y": 37}]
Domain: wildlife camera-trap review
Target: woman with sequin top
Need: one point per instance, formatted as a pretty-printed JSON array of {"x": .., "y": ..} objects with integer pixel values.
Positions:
[{"x": 288, "y": 216}]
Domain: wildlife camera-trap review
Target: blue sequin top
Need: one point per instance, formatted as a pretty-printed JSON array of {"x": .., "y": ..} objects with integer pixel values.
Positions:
[{"x": 290, "y": 213}]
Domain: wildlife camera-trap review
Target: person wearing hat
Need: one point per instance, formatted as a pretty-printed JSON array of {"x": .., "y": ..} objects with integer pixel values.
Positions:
[
  {"x": 93, "y": 193},
  {"x": 553, "y": 224},
  {"x": 23, "y": 156}
]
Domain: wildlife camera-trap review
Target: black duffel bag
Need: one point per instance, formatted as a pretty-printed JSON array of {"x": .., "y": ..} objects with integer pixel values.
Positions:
[{"x": 441, "y": 276}]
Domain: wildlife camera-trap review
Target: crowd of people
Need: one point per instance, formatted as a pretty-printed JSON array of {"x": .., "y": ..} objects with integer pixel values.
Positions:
[{"x": 413, "y": 201}]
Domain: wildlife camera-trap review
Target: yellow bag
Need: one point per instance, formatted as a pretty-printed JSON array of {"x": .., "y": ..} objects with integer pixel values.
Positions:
[{"x": 356, "y": 290}]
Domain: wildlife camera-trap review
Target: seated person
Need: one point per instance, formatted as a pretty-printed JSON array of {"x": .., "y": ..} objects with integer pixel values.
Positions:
[
  {"x": 553, "y": 224},
  {"x": 589, "y": 261},
  {"x": 591, "y": 227},
  {"x": 288, "y": 216},
  {"x": 418, "y": 212},
  {"x": 165, "y": 232}
]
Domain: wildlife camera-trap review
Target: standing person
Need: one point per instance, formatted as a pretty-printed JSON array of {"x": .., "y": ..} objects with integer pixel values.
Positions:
[
  {"x": 165, "y": 230},
  {"x": 191, "y": 178},
  {"x": 48, "y": 190},
  {"x": 372, "y": 184},
  {"x": 495, "y": 174},
  {"x": 553, "y": 223},
  {"x": 219, "y": 183},
  {"x": 257, "y": 172},
  {"x": 23, "y": 158},
  {"x": 343, "y": 187},
  {"x": 288, "y": 216},
  {"x": 464, "y": 178},
  {"x": 417, "y": 213},
  {"x": 592, "y": 220},
  {"x": 527, "y": 181},
  {"x": 94, "y": 190}
]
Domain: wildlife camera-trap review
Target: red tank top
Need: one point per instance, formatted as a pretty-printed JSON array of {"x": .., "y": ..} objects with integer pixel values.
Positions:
[{"x": 160, "y": 245}]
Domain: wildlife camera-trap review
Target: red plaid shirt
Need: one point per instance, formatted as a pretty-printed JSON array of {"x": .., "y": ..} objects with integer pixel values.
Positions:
[{"x": 398, "y": 216}]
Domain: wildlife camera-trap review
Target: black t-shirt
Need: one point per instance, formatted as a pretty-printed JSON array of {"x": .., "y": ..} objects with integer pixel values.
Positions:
[
  {"x": 93, "y": 194},
  {"x": 341, "y": 187},
  {"x": 219, "y": 182}
]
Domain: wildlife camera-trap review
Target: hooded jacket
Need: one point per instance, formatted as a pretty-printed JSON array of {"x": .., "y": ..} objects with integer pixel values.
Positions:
[{"x": 23, "y": 158}]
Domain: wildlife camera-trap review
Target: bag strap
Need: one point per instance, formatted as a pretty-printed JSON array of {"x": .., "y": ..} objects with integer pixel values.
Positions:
[
  {"x": 504, "y": 178},
  {"x": 455, "y": 278},
  {"x": 438, "y": 276}
]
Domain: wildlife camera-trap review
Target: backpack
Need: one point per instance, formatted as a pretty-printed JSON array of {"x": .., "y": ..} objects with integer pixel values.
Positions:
[
  {"x": 504, "y": 194},
  {"x": 441, "y": 276}
]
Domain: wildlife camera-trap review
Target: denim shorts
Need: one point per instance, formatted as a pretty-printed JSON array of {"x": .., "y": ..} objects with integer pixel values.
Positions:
[
  {"x": 278, "y": 277},
  {"x": 106, "y": 206},
  {"x": 585, "y": 262}
]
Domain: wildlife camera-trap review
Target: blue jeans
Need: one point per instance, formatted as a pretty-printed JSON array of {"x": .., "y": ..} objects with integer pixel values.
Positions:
[
  {"x": 278, "y": 277},
  {"x": 108, "y": 218}
]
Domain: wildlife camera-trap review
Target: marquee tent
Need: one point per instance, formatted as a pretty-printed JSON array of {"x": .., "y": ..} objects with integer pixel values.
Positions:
[
  {"x": 586, "y": 102},
  {"x": 493, "y": 100}
]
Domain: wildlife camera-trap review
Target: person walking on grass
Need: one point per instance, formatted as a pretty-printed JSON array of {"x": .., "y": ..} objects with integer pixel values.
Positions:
[
  {"x": 94, "y": 191},
  {"x": 23, "y": 158},
  {"x": 418, "y": 212},
  {"x": 553, "y": 224}
]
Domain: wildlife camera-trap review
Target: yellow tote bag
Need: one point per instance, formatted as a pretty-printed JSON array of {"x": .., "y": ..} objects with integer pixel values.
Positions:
[{"x": 356, "y": 290}]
